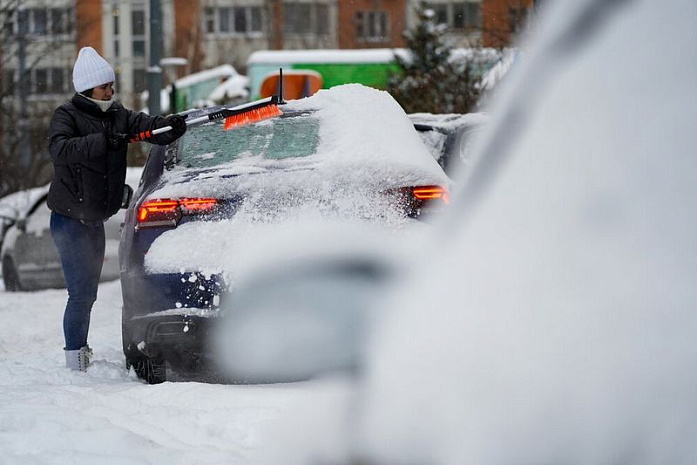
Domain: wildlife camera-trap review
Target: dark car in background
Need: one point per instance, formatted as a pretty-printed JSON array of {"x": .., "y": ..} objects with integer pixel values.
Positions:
[
  {"x": 449, "y": 136},
  {"x": 349, "y": 152}
]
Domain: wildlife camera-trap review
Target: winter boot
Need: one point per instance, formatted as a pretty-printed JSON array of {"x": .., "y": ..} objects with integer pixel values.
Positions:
[{"x": 78, "y": 359}]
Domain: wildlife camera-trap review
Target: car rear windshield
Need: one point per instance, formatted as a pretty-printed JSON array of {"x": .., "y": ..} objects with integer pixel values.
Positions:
[{"x": 294, "y": 134}]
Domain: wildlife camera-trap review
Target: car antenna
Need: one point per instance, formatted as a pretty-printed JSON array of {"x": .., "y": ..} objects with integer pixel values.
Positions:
[{"x": 279, "y": 97}]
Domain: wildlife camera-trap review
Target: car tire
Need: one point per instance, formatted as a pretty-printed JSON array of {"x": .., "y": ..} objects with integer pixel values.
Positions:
[
  {"x": 153, "y": 370},
  {"x": 10, "y": 276},
  {"x": 150, "y": 369}
]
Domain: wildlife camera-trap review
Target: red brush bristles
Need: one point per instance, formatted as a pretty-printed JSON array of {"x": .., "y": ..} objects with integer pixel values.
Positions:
[{"x": 251, "y": 117}]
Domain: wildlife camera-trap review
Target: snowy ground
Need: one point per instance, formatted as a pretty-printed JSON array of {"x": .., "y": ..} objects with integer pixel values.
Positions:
[{"x": 49, "y": 415}]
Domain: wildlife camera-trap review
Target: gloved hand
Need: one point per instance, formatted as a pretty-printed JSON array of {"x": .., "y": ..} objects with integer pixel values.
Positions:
[
  {"x": 178, "y": 124},
  {"x": 118, "y": 141}
]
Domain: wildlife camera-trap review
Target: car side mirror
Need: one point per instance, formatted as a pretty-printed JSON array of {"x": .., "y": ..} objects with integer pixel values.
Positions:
[
  {"x": 127, "y": 196},
  {"x": 298, "y": 322}
]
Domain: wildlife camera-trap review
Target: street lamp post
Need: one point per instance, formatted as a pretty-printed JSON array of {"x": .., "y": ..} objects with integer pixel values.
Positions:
[{"x": 23, "y": 122}]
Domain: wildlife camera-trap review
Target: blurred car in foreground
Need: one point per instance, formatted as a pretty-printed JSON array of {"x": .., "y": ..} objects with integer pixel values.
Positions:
[
  {"x": 348, "y": 152},
  {"x": 551, "y": 318},
  {"x": 30, "y": 260},
  {"x": 449, "y": 136}
]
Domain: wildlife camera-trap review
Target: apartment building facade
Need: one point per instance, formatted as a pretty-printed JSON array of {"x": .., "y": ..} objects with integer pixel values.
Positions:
[
  {"x": 38, "y": 43},
  {"x": 208, "y": 33}
]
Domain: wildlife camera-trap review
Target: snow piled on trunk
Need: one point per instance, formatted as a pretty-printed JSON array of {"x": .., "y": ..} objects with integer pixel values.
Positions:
[{"x": 356, "y": 159}]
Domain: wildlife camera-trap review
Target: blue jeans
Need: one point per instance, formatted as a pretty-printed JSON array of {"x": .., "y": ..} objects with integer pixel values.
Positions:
[{"x": 81, "y": 249}]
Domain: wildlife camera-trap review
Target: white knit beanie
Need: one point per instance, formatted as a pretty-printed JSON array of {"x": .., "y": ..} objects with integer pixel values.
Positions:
[{"x": 91, "y": 70}]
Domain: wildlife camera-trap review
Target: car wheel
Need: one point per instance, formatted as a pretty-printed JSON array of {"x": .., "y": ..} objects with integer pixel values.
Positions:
[
  {"x": 150, "y": 369},
  {"x": 10, "y": 276}
]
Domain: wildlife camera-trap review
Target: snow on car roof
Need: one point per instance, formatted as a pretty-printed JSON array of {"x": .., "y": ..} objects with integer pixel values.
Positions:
[
  {"x": 365, "y": 137},
  {"x": 387, "y": 139}
]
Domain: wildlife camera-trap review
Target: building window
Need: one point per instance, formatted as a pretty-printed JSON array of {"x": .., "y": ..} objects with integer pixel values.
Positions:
[
  {"x": 138, "y": 22},
  {"x": 8, "y": 26},
  {"x": 138, "y": 48},
  {"x": 57, "y": 81},
  {"x": 322, "y": 20},
  {"x": 305, "y": 18},
  {"x": 256, "y": 19},
  {"x": 224, "y": 20},
  {"x": 240, "y": 20},
  {"x": 39, "y": 21},
  {"x": 209, "y": 20},
  {"x": 440, "y": 11},
  {"x": 372, "y": 26},
  {"x": 116, "y": 15},
  {"x": 40, "y": 81},
  {"x": 138, "y": 32},
  {"x": 297, "y": 18},
  {"x": 233, "y": 20},
  {"x": 59, "y": 21},
  {"x": 139, "y": 80},
  {"x": 457, "y": 15},
  {"x": 46, "y": 81},
  {"x": 466, "y": 15},
  {"x": 8, "y": 77}
]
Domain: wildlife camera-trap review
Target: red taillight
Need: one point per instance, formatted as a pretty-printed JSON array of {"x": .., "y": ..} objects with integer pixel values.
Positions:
[
  {"x": 431, "y": 193},
  {"x": 168, "y": 212}
]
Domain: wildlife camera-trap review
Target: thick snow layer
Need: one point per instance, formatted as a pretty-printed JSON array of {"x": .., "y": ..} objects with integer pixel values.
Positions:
[
  {"x": 355, "y": 157},
  {"x": 354, "y": 147},
  {"x": 50, "y": 415}
]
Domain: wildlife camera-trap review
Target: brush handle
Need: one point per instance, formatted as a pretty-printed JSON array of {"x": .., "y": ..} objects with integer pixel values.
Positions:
[
  {"x": 251, "y": 107},
  {"x": 147, "y": 134}
]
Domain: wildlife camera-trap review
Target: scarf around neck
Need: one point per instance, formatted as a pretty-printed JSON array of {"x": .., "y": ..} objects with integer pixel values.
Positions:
[{"x": 103, "y": 105}]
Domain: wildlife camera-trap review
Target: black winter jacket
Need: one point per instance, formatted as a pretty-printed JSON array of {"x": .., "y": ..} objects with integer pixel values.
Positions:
[{"x": 90, "y": 175}]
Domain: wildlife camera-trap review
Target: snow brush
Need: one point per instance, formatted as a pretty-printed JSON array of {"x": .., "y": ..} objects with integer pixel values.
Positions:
[{"x": 241, "y": 115}]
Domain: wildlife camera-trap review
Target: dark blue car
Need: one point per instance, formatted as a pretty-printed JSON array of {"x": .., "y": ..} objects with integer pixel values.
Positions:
[{"x": 325, "y": 154}]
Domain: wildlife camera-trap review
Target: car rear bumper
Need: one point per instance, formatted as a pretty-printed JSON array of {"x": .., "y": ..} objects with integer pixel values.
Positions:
[
  {"x": 182, "y": 340},
  {"x": 169, "y": 315}
]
